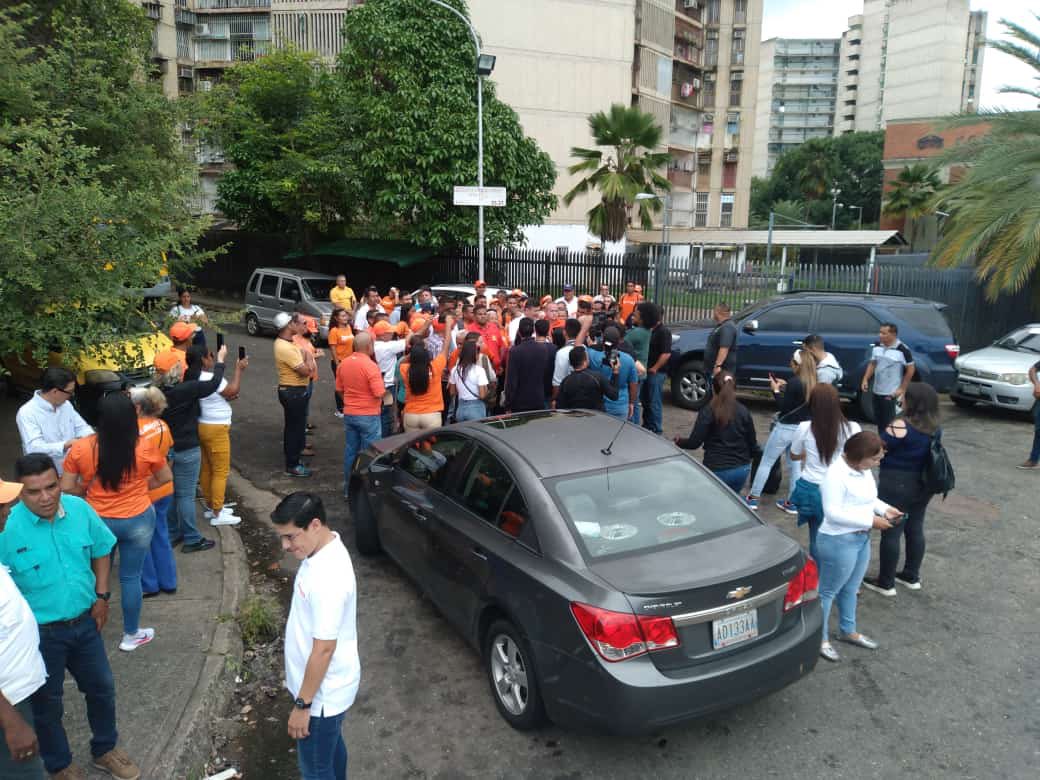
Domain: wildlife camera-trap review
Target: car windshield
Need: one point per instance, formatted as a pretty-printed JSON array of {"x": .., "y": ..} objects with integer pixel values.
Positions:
[
  {"x": 317, "y": 289},
  {"x": 645, "y": 507},
  {"x": 748, "y": 310},
  {"x": 1021, "y": 340}
]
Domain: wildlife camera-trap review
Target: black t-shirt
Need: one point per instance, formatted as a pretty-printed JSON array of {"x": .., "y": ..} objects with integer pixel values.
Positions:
[
  {"x": 660, "y": 344},
  {"x": 724, "y": 335},
  {"x": 586, "y": 389}
]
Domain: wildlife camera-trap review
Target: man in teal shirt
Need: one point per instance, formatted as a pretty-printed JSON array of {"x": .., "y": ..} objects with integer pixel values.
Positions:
[
  {"x": 638, "y": 338},
  {"x": 57, "y": 549}
]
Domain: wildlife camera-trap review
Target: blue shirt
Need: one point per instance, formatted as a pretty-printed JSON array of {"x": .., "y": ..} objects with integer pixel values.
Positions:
[
  {"x": 50, "y": 561},
  {"x": 626, "y": 374}
]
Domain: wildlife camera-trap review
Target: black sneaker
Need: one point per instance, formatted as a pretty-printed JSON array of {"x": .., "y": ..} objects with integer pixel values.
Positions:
[
  {"x": 199, "y": 546},
  {"x": 908, "y": 583},
  {"x": 872, "y": 583}
]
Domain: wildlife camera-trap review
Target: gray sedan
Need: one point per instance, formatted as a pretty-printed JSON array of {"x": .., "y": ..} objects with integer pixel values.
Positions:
[
  {"x": 998, "y": 375},
  {"x": 607, "y": 580}
]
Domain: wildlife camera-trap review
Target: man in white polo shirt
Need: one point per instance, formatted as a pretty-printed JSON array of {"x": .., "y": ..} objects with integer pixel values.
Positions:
[{"x": 322, "y": 667}]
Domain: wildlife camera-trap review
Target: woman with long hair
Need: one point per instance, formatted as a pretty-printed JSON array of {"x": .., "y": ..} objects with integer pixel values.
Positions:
[
  {"x": 468, "y": 384},
  {"x": 341, "y": 345},
  {"x": 791, "y": 399},
  {"x": 115, "y": 470},
  {"x": 851, "y": 508},
  {"x": 159, "y": 572},
  {"x": 424, "y": 400},
  {"x": 726, "y": 431},
  {"x": 908, "y": 443},
  {"x": 817, "y": 442}
]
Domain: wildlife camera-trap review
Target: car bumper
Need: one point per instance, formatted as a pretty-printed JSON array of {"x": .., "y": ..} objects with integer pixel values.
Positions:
[
  {"x": 634, "y": 697},
  {"x": 998, "y": 394}
]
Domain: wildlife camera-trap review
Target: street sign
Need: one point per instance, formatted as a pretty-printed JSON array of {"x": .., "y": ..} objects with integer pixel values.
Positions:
[{"x": 480, "y": 196}]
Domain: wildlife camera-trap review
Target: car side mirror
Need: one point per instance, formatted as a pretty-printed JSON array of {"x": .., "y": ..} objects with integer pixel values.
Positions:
[{"x": 751, "y": 326}]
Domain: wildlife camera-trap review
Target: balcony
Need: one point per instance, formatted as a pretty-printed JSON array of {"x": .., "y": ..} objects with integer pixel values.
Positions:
[
  {"x": 691, "y": 9},
  {"x": 185, "y": 18},
  {"x": 232, "y": 5},
  {"x": 688, "y": 93},
  {"x": 216, "y": 52},
  {"x": 680, "y": 178},
  {"x": 153, "y": 11},
  {"x": 688, "y": 53}
]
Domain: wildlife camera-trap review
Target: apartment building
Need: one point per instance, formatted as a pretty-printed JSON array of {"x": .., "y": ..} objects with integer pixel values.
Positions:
[{"x": 797, "y": 90}]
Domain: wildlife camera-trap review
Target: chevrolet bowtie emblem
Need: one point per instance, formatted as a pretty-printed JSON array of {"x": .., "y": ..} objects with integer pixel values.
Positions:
[{"x": 739, "y": 593}]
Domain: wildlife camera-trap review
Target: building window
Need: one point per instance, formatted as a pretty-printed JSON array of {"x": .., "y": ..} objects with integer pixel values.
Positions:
[
  {"x": 729, "y": 176},
  {"x": 703, "y": 170},
  {"x": 714, "y": 11},
  {"x": 664, "y": 75},
  {"x": 740, "y": 12},
  {"x": 700, "y": 210},
  {"x": 737, "y": 53},
  {"x": 733, "y": 124},
  {"x": 711, "y": 48},
  {"x": 726, "y": 213},
  {"x": 736, "y": 82},
  {"x": 709, "y": 92}
]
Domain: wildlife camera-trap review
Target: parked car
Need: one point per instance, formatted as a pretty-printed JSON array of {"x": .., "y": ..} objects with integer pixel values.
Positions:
[
  {"x": 607, "y": 580},
  {"x": 274, "y": 290},
  {"x": 769, "y": 331},
  {"x": 998, "y": 375}
]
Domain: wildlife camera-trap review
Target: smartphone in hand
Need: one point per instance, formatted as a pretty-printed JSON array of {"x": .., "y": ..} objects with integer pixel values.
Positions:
[
  {"x": 220, "y": 341},
  {"x": 241, "y": 353}
]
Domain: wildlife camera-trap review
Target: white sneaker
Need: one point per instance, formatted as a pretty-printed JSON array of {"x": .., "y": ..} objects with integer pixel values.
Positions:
[
  {"x": 226, "y": 517},
  {"x": 339, "y": 415},
  {"x": 207, "y": 512},
  {"x": 133, "y": 641}
]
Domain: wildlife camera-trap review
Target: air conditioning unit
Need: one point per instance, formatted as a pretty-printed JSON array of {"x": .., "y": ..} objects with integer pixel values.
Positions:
[
  {"x": 205, "y": 86},
  {"x": 731, "y": 157},
  {"x": 202, "y": 30},
  {"x": 691, "y": 4},
  {"x": 185, "y": 72},
  {"x": 696, "y": 83}
]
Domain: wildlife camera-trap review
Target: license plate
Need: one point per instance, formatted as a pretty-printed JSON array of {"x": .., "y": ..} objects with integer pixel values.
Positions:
[
  {"x": 734, "y": 629},
  {"x": 970, "y": 389}
]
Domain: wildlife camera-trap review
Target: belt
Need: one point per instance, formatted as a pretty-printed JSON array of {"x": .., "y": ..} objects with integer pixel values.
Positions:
[
  {"x": 65, "y": 623},
  {"x": 292, "y": 387}
]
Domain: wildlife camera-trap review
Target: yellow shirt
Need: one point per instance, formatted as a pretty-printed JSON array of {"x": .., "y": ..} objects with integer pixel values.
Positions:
[
  {"x": 344, "y": 298},
  {"x": 286, "y": 357}
]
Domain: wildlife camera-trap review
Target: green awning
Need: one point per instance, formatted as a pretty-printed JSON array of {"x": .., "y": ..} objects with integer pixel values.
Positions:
[{"x": 400, "y": 253}]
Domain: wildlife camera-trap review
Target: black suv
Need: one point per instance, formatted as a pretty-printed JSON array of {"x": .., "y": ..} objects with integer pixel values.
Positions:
[{"x": 769, "y": 332}]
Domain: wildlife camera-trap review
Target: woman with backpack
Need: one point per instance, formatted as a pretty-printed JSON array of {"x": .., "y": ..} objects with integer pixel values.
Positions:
[
  {"x": 468, "y": 384},
  {"x": 908, "y": 443},
  {"x": 725, "y": 429}
]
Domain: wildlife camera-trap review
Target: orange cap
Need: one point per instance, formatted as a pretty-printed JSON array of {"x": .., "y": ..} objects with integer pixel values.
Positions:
[
  {"x": 419, "y": 324},
  {"x": 586, "y": 298},
  {"x": 480, "y": 283},
  {"x": 9, "y": 491},
  {"x": 181, "y": 331},
  {"x": 381, "y": 327},
  {"x": 403, "y": 329},
  {"x": 546, "y": 299}
]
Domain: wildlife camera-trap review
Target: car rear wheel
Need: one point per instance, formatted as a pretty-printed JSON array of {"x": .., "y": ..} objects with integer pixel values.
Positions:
[
  {"x": 690, "y": 385},
  {"x": 366, "y": 531},
  {"x": 514, "y": 685},
  {"x": 252, "y": 325}
]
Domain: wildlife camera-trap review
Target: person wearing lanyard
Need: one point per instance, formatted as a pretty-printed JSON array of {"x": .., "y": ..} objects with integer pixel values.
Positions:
[
  {"x": 851, "y": 508},
  {"x": 295, "y": 369}
]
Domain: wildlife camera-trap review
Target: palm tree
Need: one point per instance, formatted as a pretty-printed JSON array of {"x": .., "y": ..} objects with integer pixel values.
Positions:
[
  {"x": 911, "y": 194},
  {"x": 995, "y": 208},
  {"x": 631, "y": 168},
  {"x": 815, "y": 179}
]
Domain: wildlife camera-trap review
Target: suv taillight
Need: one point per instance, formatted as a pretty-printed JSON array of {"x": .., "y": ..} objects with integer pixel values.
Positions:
[
  {"x": 804, "y": 587},
  {"x": 953, "y": 350},
  {"x": 618, "y": 636}
]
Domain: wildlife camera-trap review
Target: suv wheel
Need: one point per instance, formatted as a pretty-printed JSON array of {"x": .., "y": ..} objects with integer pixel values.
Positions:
[
  {"x": 690, "y": 385},
  {"x": 252, "y": 325},
  {"x": 514, "y": 687}
]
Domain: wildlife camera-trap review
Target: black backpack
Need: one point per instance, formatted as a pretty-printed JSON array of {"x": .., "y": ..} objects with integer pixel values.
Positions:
[{"x": 938, "y": 476}]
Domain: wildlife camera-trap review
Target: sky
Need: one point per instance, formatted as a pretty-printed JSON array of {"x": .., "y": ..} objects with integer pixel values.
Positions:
[{"x": 829, "y": 19}]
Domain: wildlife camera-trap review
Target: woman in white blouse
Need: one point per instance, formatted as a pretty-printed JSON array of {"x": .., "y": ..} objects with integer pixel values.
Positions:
[{"x": 850, "y": 509}]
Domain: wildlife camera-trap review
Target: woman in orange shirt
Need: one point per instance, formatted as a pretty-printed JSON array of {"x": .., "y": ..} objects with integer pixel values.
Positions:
[
  {"x": 159, "y": 573},
  {"x": 341, "y": 346},
  {"x": 115, "y": 469},
  {"x": 423, "y": 396}
]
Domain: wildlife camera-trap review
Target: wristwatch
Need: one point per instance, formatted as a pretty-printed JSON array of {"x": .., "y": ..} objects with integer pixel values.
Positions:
[
  {"x": 104, "y": 596},
  {"x": 300, "y": 704}
]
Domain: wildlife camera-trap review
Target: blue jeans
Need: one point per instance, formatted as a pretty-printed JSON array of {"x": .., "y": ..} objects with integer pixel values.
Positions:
[
  {"x": 361, "y": 431},
  {"x": 735, "y": 477},
  {"x": 322, "y": 755},
  {"x": 650, "y": 394},
  {"x": 470, "y": 410},
  {"x": 778, "y": 443},
  {"x": 134, "y": 535},
  {"x": 386, "y": 421},
  {"x": 1035, "y": 454},
  {"x": 186, "y": 465},
  {"x": 636, "y": 403},
  {"x": 160, "y": 569},
  {"x": 79, "y": 648},
  {"x": 21, "y": 770},
  {"x": 843, "y": 562}
]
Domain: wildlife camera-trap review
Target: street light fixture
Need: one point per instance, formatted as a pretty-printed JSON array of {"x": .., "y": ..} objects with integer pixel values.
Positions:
[
  {"x": 859, "y": 214},
  {"x": 485, "y": 64},
  {"x": 835, "y": 192}
]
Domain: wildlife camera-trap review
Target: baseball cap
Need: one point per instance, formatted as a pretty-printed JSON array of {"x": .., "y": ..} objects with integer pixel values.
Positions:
[
  {"x": 419, "y": 324},
  {"x": 181, "y": 331},
  {"x": 381, "y": 327},
  {"x": 402, "y": 328},
  {"x": 585, "y": 298},
  {"x": 281, "y": 319},
  {"x": 480, "y": 283},
  {"x": 546, "y": 299},
  {"x": 568, "y": 286},
  {"x": 9, "y": 491}
]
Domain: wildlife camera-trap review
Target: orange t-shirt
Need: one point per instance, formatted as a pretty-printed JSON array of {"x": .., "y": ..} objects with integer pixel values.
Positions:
[
  {"x": 433, "y": 399},
  {"x": 131, "y": 497},
  {"x": 341, "y": 340},
  {"x": 304, "y": 344},
  {"x": 360, "y": 381},
  {"x": 157, "y": 433},
  {"x": 168, "y": 358},
  {"x": 627, "y": 304}
]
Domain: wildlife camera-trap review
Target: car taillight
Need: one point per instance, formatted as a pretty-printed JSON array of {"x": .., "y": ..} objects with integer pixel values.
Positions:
[
  {"x": 953, "y": 350},
  {"x": 617, "y": 636},
  {"x": 804, "y": 587}
]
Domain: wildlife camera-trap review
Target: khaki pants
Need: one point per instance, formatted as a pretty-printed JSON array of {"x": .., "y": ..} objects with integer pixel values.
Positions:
[
  {"x": 215, "y": 441},
  {"x": 421, "y": 422}
]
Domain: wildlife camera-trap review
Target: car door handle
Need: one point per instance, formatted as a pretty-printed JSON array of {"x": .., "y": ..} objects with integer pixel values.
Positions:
[
  {"x": 420, "y": 517},
  {"x": 797, "y": 343},
  {"x": 480, "y": 553}
]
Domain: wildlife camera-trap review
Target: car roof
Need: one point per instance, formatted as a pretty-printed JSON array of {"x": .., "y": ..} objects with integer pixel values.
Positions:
[
  {"x": 813, "y": 295},
  {"x": 295, "y": 272},
  {"x": 555, "y": 443}
]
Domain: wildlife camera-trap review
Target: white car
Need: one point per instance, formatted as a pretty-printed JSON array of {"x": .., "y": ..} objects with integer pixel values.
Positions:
[
  {"x": 467, "y": 291},
  {"x": 998, "y": 375}
]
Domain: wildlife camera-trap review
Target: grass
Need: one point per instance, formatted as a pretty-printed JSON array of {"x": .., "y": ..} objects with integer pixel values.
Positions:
[{"x": 259, "y": 620}]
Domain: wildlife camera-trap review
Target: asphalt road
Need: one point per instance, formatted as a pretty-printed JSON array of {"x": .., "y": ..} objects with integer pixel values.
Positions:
[{"x": 953, "y": 691}]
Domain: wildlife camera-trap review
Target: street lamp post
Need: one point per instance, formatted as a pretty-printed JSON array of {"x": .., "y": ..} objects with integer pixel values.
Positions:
[
  {"x": 485, "y": 64},
  {"x": 835, "y": 192},
  {"x": 859, "y": 214}
]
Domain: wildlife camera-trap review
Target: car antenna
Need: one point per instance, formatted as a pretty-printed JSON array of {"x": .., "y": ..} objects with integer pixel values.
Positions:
[{"x": 609, "y": 448}]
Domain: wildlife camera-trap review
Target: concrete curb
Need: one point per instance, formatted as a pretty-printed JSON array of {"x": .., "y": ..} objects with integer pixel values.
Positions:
[{"x": 188, "y": 747}]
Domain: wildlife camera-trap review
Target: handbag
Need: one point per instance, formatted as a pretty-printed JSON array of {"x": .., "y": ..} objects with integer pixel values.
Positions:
[{"x": 938, "y": 476}]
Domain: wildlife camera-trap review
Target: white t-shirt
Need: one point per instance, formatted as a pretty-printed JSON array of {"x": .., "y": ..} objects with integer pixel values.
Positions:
[
  {"x": 813, "y": 468},
  {"x": 324, "y": 606},
  {"x": 361, "y": 318},
  {"x": 514, "y": 328},
  {"x": 468, "y": 386},
  {"x": 22, "y": 670},
  {"x": 572, "y": 305},
  {"x": 562, "y": 368},
  {"x": 186, "y": 314},
  {"x": 215, "y": 408},
  {"x": 387, "y": 353}
]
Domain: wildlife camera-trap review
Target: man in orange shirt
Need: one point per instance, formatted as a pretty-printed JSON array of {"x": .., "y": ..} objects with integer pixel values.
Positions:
[
  {"x": 181, "y": 333},
  {"x": 629, "y": 301},
  {"x": 494, "y": 341},
  {"x": 360, "y": 381}
]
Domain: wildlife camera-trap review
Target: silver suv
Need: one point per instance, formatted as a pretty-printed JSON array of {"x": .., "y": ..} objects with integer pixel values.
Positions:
[{"x": 274, "y": 290}]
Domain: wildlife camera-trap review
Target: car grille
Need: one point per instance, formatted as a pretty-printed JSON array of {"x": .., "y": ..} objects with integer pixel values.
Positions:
[{"x": 979, "y": 374}]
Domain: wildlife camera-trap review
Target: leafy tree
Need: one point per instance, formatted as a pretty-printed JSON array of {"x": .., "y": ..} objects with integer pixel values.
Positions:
[
  {"x": 619, "y": 177},
  {"x": 910, "y": 195},
  {"x": 93, "y": 185},
  {"x": 407, "y": 72},
  {"x": 787, "y": 213},
  {"x": 995, "y": 208},
  {"x": 278, "y": 122}
]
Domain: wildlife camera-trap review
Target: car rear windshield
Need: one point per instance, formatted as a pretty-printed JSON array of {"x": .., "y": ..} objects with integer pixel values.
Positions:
[
  {"x": 929, "y": 320},
  {"x": 645, "y": 507}
]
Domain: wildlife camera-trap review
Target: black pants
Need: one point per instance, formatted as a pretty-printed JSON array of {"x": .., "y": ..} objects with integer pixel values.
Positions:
[
  {"x": 294, "y": 402},
  {"x": 337, "y": 393},
  {"x": 884, "y": 410},
  {"x": 903, "y": 489}
]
